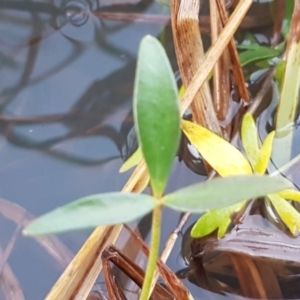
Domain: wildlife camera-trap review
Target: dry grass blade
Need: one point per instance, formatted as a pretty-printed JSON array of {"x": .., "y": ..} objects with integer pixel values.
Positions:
[
  {"x": 79, "y": 277},
  {"x": 171, "y": 242},
  {"x": 138, "y": 180},
  {"x": 236, "y": 66},
  {"x": 214, "y": 53},
  {"x": 190, "y": 53},
  {"x": 173, "y": 237},
  {"x": 171, "y": 280},
  {"x": 221, "y": 81},
  {"x": 131, "y": 269},
  {"x": 133, "y": 17}
]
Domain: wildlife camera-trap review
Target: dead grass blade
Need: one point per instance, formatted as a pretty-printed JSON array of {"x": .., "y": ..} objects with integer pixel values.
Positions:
[
  {"x": 131, "y": 269},
  {"x": 214, "y": 53},
  {"x": 221, "y": 80},
  {"x": 236, "y": 66},
  {"x": 190, "y": 53},
  {"x": 79, "y": 277},
  {"x": 171, "y": 280}
]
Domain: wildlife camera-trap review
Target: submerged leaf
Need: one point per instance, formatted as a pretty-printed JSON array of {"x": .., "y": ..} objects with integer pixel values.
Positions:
[
  {"x": 221, "y": 155},
  {"x": 264, "y": 154},
  {"x": 91, "y": 211},
  {"x": 216, "y": 219},
  {"x": 156, "y": 112},
  {"x": 249, "y": 138},
  {"x": 132, "y": 161},
  {"x": 221, "y": 192},
  {"x": 288, "y": 214}
]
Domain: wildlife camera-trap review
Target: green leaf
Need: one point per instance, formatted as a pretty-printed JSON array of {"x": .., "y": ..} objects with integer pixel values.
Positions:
[
  {"x": 250, "y": 138},
  {"x": 132, "y": 161},
  {"x": 91, "y": 211},
  {"x": 156, "y": 112},
  {"x": 216, "y": 219},
  {"x": 279, "y": 75},
  {"x": 264, "y": 154},
  {"x": 288, "y": 214},
  {"x": 221, "y": 192},
  {"x": 221, "y": 155},
  {"x": 256, "y": 52}
]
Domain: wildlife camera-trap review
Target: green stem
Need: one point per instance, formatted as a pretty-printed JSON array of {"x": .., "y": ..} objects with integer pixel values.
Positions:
[{"x": 153, "y": 254}]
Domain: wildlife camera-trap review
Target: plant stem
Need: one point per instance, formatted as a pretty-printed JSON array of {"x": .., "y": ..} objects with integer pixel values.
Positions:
[{"x": 153, "y": 254}]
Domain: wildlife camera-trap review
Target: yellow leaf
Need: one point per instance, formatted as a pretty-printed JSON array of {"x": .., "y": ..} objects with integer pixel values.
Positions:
[
  {"x": 132, "y": 161},
  {"x": 250, "y": 138},
  {"x": 216, "y": 219},
  {"x": 181, "y": 92},
  {"x": 288, "y": 214},
  {"x": 290, "y": 195},
  {"x": 221, "y": 155},
  {"x": 264, "y": 154}
]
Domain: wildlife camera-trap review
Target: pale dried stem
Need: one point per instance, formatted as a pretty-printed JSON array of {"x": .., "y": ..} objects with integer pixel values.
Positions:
[{"x": 170, "y": 244}]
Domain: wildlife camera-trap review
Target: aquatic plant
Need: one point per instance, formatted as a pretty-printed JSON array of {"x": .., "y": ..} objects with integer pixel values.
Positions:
[
  {"x": 157, "y": 120},
  {"x": 233, "y": 162}
]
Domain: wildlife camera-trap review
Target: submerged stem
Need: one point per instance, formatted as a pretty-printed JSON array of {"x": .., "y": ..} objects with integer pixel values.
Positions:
[{"x": 153, "y": 255}]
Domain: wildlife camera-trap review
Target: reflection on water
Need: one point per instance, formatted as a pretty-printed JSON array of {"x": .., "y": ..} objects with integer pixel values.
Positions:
[{"x": 66, "y": 79}]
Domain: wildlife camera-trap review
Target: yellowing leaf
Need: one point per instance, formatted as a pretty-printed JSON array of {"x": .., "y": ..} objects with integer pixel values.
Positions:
[
  {"x": 290, "y": 195},
  {"x": 181, "y": 92},
  {"x": 288, "y": 214},
  {"x": 221, "y": 155},
  {"x": 216, "y": 219},
  {"x": 132, "y": 161},
  {"x": 250, "y": 138},
  {"x": 264, "y": 154}
]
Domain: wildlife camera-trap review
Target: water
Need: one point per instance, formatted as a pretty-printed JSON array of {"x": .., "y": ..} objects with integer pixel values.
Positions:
[
  {"x": 60, "y": 59},
  {"x": 66, "y": 79}
]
